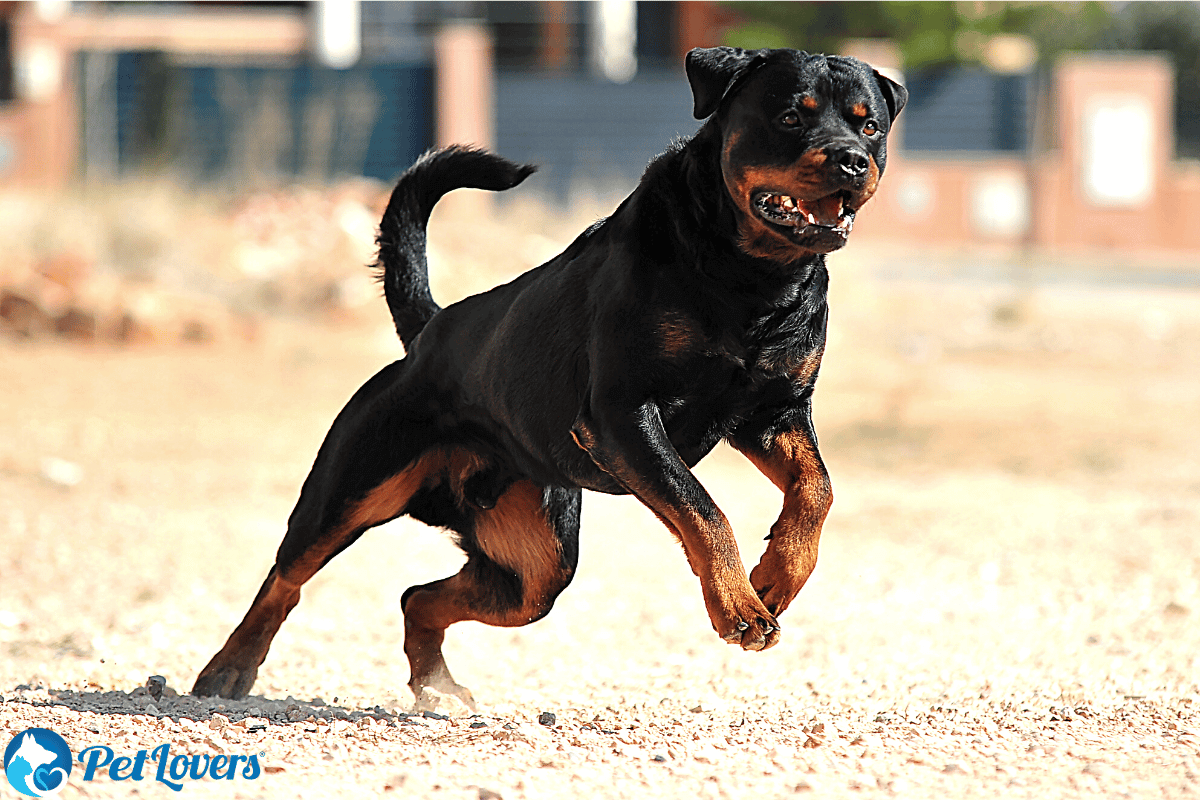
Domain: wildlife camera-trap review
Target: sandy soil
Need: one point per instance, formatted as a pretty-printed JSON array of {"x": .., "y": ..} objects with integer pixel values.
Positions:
[{"x": 1006, "y": 603}]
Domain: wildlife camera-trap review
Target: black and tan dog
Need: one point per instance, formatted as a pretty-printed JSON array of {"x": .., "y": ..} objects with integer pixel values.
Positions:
[{"x": 695, "y": 313}]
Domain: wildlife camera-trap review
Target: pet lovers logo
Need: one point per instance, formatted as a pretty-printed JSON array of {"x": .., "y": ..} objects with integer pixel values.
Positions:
[{"x": 37, "y": 763}]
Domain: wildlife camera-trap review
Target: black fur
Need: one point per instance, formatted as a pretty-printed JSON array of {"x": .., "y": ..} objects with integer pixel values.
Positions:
[{"x": 689, "y": 316}]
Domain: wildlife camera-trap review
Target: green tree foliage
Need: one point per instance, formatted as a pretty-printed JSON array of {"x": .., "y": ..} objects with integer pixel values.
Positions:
[
  {"x": 928, "y": 34},
  {"x": 1174, "y": 29}
]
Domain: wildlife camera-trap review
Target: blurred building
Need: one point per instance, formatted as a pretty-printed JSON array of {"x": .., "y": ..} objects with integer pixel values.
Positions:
[{"x": 244, "y": 93}]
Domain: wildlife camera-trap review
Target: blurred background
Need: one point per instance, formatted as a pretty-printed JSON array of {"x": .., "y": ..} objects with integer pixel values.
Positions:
[
  {"x": 1009, "y": 404},
  {"x": 1035, "y": 132},
  {"x": 1065, "y": 134}
]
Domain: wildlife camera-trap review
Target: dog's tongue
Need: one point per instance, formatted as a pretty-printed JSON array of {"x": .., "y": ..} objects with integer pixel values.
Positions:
[{"x": 827, "y": 211}]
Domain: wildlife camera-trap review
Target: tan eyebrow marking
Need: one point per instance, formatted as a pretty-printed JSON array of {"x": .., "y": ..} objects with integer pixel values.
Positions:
[
  {"x": 809, "y": 102},
  {"x": 859, "y": 110}
]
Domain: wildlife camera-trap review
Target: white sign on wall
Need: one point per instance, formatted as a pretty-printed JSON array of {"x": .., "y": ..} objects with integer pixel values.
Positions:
[
  {"x": 1000, "y": 204},
  {"x": 1118, "y": 150}
]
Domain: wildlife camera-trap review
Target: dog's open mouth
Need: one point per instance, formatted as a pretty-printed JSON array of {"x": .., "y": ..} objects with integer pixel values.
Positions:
[{"x": 828, "y": 214}]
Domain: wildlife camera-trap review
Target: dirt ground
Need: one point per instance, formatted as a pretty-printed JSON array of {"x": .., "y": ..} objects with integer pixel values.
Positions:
[{"x": 1006, "y": 602}]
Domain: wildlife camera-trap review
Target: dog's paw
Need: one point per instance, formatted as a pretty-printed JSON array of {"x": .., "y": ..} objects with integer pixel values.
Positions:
[
  {"x": 232, "y": 683},
  {"x": 430, "y": 690},
  {"x": 748, "y": 624},
  {"x": 777, "y": 581},
  {"x": 450, "y": 704}
]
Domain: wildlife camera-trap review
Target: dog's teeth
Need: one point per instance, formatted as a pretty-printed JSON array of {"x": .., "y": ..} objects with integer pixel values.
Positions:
[{"x": 811, "y": 219}]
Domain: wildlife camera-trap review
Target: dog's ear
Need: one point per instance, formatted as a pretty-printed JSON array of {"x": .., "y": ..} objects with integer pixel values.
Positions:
[
  {"x": 894, "y": 94},
  {"x": 712, "y": 72}
]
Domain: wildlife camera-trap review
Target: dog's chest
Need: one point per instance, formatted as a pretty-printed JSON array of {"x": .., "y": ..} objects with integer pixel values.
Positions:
[
  {"x": 723, "y": 380},
  {"x": 785, "y": 347}
]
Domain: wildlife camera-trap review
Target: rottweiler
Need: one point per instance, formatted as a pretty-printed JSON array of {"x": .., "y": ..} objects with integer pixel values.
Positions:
[{"x": 696, "y": 313}]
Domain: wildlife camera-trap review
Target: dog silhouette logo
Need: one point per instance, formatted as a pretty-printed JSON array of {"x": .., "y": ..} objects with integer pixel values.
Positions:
[{"x": 37, "y": 762}]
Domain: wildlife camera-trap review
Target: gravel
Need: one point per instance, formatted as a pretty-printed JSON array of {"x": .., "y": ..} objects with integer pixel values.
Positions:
[{"x": 1006, "y": 601}]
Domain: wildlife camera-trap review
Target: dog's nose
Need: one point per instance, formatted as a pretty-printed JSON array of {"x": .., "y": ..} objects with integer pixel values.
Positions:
[{"x": 852, "y": 160}]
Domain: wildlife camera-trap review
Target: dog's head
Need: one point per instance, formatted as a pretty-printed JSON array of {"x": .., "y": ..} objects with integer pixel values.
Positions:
[{"x": 803, "y": 142}]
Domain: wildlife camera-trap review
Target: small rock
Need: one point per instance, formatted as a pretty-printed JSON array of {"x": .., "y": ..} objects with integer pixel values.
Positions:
[
  {"x": 253, "y": 723},
  {"x": 955, "y": 768},
  {"x": 155, "y": 685},
  {"x": 488, "y": 794},
  {"x": 1094, "y": 768},
  {"x": 152, "y": 709},
  {"x": 547, "y": 719},
  {"x": 218, "y": 722}
]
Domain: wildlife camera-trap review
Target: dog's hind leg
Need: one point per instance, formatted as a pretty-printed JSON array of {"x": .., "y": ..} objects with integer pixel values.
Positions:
[
  {"x": 520, "y": 555},
  {"x": 306, "y": 548},
  {"x": 368, "y": 469}
]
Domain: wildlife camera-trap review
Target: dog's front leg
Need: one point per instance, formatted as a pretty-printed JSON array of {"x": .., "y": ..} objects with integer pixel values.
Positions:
[
  {"x": 789, "y": 457},
  {"x": 633, "y": 447}
]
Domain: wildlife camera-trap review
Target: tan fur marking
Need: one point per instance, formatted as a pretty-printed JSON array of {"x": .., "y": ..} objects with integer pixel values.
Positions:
[
  {"x": 796, "y": 461},
  {"x": 858, "y": 110},
  {"x": 792, "y": 464},
  {"x": 804, "y": 178},
  {"x": 383, "y": 502},
  {"x": 453, "y": 465},
  {"x": 872, "y": 180},
  {"x": 388, "y": 498},
  {"x": 869, "y": 188},
  {"x": 517, "y": 535},
  {"x": 805, "y": 370},
  {"x": 676, "y": 333},
  {"x": 809, "y": 102}
]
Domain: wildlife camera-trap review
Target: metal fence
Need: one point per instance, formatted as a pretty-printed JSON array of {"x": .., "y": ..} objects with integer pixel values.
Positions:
[
  {"x": 963, "y": 109},
  {"x": 145, "y": 112},
  {"x": 586, "y": 132}
]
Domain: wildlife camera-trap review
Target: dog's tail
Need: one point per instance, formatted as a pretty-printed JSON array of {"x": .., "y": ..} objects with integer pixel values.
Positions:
[{"x": 401, "y": 265}]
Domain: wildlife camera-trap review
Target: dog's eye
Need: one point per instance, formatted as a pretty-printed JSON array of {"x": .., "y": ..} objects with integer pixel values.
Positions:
[
  {"x": 790, "y": 119},
  {"x": 870, "y": 128}
]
